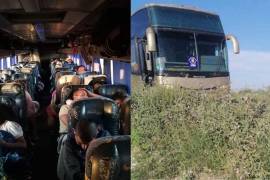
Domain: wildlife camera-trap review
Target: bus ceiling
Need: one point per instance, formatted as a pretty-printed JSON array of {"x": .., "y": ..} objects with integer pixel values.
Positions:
[{"x": 58, "y": 24}]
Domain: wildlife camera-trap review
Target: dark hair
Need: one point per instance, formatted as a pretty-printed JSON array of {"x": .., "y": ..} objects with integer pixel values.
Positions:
[
  {"x": 86, "y": 130},
  {"x": 6, "y": 113},
  {"x": 77, "y": 68},
  {"x": 119, "y": 95}
]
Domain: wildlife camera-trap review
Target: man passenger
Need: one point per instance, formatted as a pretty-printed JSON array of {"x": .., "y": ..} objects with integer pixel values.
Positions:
[{"x": 72, "y": 155}]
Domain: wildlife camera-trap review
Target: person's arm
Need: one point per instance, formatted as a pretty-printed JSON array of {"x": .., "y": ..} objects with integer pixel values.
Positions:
[
  {"x": 20, "y": 143},
  {"x": 63, "y": 114},
  {"x": 71, "y": 163},
  {"x": 64, "y": 119},
  {"x": 30, "y": 105}
]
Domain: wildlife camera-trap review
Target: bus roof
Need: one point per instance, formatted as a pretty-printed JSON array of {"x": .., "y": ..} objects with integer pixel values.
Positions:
[{"x": 186, "y": 7}]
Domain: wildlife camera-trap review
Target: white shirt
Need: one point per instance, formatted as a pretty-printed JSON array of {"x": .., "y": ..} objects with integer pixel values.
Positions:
[{"x": 13, "y": 128}]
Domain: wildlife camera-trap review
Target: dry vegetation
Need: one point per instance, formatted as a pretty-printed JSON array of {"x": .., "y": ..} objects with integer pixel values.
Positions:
[{"x": 194, "y": 134}]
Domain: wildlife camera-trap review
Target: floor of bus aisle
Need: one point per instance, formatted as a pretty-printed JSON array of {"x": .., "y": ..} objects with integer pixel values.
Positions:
[{"x": 44, "y": 151}]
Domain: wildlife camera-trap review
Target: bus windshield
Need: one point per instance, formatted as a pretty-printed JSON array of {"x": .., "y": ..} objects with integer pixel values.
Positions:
[
  {"x": 212, "y": 52},
  {"x": 177, "y": 49},
  {"x": 184, "y": 19}
]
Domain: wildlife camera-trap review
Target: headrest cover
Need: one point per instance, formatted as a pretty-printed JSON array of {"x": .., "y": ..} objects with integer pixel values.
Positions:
[
  {"x": 26, "y": 70},
  {"x": 11, "y": 88},
  {"x": 109, "y": 90},
  {"x": 68, "y": 80},
  {"x": 92, "y": 79}
]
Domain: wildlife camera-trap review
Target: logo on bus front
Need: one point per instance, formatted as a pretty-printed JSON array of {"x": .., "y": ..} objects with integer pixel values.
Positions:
[{"x": 192, "y": 62}]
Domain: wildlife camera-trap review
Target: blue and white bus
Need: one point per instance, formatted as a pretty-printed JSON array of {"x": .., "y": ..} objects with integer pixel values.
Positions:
[{"x": 180, "y": 45}]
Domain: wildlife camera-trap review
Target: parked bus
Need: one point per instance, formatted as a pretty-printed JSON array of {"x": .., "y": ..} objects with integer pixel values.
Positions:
[
  {"x": 180, "y": 45},
  {"x": 64, "y": 89}
]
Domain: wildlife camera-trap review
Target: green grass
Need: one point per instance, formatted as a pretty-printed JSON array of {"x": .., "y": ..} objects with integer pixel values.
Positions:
[{"x": 192, "y": 134}]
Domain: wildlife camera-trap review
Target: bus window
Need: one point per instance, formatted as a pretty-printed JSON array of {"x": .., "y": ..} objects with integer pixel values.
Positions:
[
  {"x": 139, "y": 23},
  {"x": 135, "y": 64},
  {"x": 8, "y": 62}
]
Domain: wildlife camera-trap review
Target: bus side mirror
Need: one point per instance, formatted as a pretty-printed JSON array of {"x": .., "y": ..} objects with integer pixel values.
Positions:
[
  {"x": 151, "y": 39},
  {"x": 236, "y": 48}
]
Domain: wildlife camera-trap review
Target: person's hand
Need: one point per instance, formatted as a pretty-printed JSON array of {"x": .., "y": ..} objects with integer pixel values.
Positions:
[
  {"x": 2, "y": 143},
  {"x": 84, "y": 146},
  {"x": 69, "y": 102}
]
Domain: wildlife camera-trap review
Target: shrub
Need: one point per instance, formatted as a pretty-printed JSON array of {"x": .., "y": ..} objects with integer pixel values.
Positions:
[{"x": 190, "y": 134}]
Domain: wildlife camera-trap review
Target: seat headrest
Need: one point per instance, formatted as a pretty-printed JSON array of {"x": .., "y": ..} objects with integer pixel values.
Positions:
[
  {"x": 109, "y": 90},
  {"x": 17, "y": 93},
  {"x": 8, "y": 72},
  {"x": 92, "y": 79},
  {"x": 8, "y": 101},
  {"x": 93, "y": 109},
  {"x": 5, "y": 77},
  {"x": 11, "y": 88},
  {"x": 112, "y": 158},
  {"x": 61, "y": 69},
  {"x": 68, "y": 80},
  {"x": 86, "y": 73},
  {"x": 68, "y": 90},
  {"x": 21, "y": 81},
  {"x": 63, "y": 81},
  {"x": 20, "y": 76},
  {"x": 26, "y": 70},
  {"x": 62, "y": 73},
  {"x": 34, "y": 62}
]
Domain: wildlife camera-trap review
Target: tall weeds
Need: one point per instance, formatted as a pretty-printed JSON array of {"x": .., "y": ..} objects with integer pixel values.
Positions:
[{"x": 187, "y": 134}]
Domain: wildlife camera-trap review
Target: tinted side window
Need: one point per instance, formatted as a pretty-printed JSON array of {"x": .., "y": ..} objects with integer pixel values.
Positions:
[
  {"x": 139, "y": 22},
  {"x": 135, "y": 66}
]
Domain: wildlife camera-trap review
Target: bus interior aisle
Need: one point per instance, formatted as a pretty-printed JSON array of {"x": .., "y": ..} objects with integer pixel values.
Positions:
[
  {"x": 44, "y": 147},
  {"x": 64, "y": 89}
]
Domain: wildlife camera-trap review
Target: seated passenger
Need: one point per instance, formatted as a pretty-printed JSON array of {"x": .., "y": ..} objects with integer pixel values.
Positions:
[
  {"x": 69, "y": 64},
  {"x": 119, "y": 98},
  {"x": 32, "y": 106},
  {"x": 7, "y": 124},
  {"x": 13, "y": 146},
  {"x": 81, "y": 69},
  {"x": 96, "y": 84},
  {"x": 72, "y": 155},
  {"x": 58, "y": 64},
  {"x": 63, "y": 113},
  {"x": 52, "y": 115},
  {"x": 122, "y": 100}
]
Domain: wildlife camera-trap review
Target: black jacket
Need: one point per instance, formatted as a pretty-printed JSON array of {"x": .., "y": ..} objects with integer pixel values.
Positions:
[{"x": 72, "y": 159}]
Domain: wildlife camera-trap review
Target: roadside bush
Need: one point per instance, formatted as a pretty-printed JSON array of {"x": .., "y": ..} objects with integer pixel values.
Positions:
[{"x": 192, "y": 134}]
